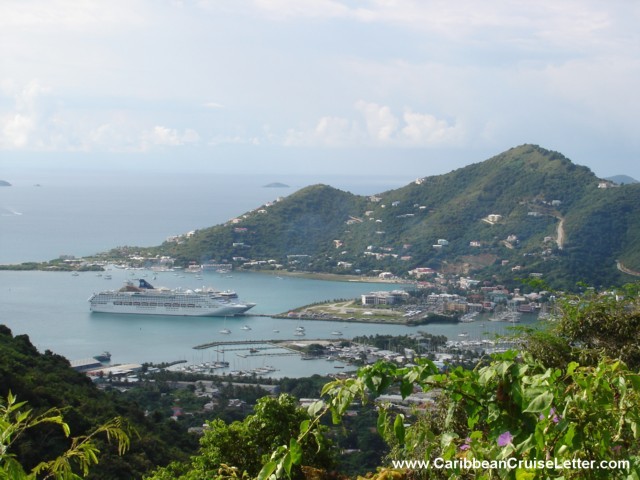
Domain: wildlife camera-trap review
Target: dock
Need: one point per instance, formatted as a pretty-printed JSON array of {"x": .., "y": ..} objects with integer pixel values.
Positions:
[{"x": 204, "y": 346}]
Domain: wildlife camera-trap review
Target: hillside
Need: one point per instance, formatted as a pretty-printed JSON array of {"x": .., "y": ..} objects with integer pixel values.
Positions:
[
  {"x": 525, "y": 211},
  {"x": 47, "y": 380}
]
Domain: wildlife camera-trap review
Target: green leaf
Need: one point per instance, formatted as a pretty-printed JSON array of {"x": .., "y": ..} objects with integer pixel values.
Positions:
[
  {"x": 382, "y": 421},
  {"x": 571, "y": 367},
  {"x": 406, "y": 388},
  {"x": 295, "y": 449},
  {"x": 287, "y": 463},
  {"x": 522, "y": 474},
  {"x": 267, "y": 470},
  {"x": 398, "y": 428},
  {"x": 540, "y": 403},
  {"x": 304, "y": 426},
  {"x": 635, "y": 381},
  {"x": 315, "y": 407}
]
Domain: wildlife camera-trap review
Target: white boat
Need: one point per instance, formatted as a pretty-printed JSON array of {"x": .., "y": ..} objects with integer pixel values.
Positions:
[
  {"x": 225, "y": 331},
  {"x": 336, "y": 332},
  {"x": 246, "y": 327},
  {"x": 147, "y": 300},
  {"x": 469, "y": 317}
]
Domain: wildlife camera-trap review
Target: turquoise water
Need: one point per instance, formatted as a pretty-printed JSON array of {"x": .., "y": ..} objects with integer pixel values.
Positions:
[{"x": 52, "y": 309}]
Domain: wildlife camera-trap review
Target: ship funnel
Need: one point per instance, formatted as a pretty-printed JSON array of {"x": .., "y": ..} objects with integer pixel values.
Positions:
[{"x": 145, "y": 284}]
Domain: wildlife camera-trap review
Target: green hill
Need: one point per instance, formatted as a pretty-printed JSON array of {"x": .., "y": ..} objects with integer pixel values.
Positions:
[
  {"x": 46, "y": 381},
  {"x": 525, "y": 211}
]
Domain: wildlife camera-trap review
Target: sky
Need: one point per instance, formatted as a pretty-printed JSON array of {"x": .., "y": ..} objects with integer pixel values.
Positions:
[{"x": 317, "y": 86}]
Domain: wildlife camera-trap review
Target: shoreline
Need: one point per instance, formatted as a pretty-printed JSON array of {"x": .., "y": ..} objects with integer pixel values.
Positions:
[{"x": 333, "y": 277}]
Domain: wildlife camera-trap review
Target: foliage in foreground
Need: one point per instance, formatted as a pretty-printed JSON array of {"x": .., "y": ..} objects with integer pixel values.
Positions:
[
  {"x": 46, "y": 381},
  {"x": 512, "y": 417},
  {"x": 248, "y": 444},
  {"x": 79, "y": 457},
  {"x": 589, "y": 327}
]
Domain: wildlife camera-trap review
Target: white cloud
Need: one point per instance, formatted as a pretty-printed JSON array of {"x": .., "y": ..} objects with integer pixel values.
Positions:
[
  {"x": 38, "y": 121},
  {"x": 16, "y": 129},
  {"x": 378, "y": 126},
  {"x": 328, "y": 132},
  {"x": 425, "y": 129},
  {"x": 136, "y": 75},
  {"x": 381, "y": 123},
  {"x": 164, "y": 136},
  {"x": 19, "y": 127}
]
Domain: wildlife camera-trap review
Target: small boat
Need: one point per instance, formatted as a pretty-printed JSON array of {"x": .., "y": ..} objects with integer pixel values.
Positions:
[
  {"x": 253, "y": 350},
  {"x": 463, "y": 334},
  {"x": 225, "y": 331},
  {"x": 276, "y": 331},
  {"x": 336, "y": 332},
  {"x": 246, "y": 327}
]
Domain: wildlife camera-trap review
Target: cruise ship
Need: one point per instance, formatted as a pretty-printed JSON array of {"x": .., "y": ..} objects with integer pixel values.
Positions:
[{"x": 144, "y": 299}]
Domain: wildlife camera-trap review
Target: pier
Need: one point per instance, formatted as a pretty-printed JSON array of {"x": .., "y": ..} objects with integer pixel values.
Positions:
[
  {"x": 280, "y": 343},
  {"x": 204, "y": 346}
]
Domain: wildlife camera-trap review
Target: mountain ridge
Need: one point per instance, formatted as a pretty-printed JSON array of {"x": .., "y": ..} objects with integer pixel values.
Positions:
[{"x": 498, "y": 218}]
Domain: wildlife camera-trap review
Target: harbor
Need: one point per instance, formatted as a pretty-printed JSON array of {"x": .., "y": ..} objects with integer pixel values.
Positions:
[{"x": 52, "y": 309}]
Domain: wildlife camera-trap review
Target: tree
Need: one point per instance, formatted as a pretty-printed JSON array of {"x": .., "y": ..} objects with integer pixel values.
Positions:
[
  {"x": 80, "y": 456},
  {"x": 591, "y": 326},
  {"x": 242, "y": 448}
]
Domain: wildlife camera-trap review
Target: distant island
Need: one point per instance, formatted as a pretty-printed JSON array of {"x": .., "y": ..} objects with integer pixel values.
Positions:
[
  {"x": 4, "y": 183},
  {"x": 276, "y": 185}
]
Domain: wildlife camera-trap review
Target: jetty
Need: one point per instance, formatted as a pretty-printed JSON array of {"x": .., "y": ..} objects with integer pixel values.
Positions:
[{"x": 204, "y": 346}]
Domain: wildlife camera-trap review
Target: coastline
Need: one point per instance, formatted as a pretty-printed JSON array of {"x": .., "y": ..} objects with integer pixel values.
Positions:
[{"x": 333, "y": 277}]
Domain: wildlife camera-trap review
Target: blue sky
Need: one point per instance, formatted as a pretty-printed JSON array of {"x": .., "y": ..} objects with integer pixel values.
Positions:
[{"x": 317, "y": 86}]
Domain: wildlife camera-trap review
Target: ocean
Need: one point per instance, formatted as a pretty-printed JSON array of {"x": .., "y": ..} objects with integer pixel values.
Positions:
[{"x": 42, "y": 217}]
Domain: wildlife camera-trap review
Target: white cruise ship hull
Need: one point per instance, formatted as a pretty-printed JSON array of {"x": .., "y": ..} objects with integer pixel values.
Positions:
[{"x": 163, "y": 302}]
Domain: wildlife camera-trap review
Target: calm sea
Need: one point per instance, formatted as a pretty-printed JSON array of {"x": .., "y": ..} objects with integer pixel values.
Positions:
[
  {"x": 41, "y": 218},
  {"x": 44, "y": 216}
]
